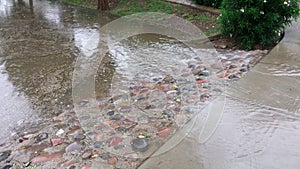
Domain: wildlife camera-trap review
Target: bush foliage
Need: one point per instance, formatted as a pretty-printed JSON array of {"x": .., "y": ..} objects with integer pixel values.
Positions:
[
  {"x": 254, "y": 22},
  {"x": 211, "y": 3}
]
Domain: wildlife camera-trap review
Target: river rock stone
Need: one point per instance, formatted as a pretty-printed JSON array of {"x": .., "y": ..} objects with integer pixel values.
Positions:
[
  {"x": 203, "y": 73},
  {"x": 169, "y": 79},
  {"x": 112, "y": 160},
  {"x": 139, "y": 144},
  {"x": 6, "y": 167},
  {"x": 82, "y": 103},
  {"x": 164, "y": 132},
  {"x": 79, "y": 136},
  {"x": 125, "y": 109},
  {"x": 116, "y": 117},
  {"x": 232, "y": 66},
  {"x": 59, "y": 132},
  {"x": 74, "y": 147},
  {"x": 204, "y": 97},
  {"x": 45, "y": 157},
  {"x": 111, "y": 113},
  {"x": 233, "y": 76},
  {"x": 114, "y": 141},
  {"x": 4, "y": 155},
  {"x": 86, "y": 166},
  {"x": 105, "y": 156},
  {"x": 86, "y": 155},
  {"x": 41, "y": 137},
  {"x": 98, "y": 144},
  {"x": 66, "y": 163},
  {"x": 56, "y": 141},
  {"x": 38, "y": 148},
  {"x": 243, "y": 70}
]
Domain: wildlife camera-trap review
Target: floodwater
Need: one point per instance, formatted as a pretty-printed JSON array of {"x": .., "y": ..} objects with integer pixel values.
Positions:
[
  {"x": 41, "y": 41},
  {"x": 260, "y": 125}
]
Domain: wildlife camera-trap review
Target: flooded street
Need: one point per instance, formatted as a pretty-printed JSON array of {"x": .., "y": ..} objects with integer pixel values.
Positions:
[{"x": 144, "y": 90}]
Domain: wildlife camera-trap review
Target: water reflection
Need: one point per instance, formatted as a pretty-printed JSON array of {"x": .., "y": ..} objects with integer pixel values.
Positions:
[
  {"x": 39, "y": 45},
  {"x": 5, "y": 8},
  {"x": 52, "y": 14},
  {"x": 86, "y": 40},
  {"x": 14, "y": 105}
]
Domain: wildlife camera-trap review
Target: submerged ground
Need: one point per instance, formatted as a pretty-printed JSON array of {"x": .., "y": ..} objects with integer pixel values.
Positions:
[{"x": 147, "y": 88}]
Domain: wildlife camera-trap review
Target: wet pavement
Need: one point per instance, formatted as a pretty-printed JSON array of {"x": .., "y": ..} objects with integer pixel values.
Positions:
[
  {"x": 260, "y": 120},
  {"x": 143, "y": 96},
  {"x": 14, "y": 107}
]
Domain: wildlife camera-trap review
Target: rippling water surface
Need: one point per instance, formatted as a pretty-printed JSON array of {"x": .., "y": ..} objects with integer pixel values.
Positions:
[{"x": 39, "y": 45}]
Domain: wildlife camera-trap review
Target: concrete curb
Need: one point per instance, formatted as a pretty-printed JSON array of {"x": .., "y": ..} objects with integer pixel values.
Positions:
[{"x": 200, "y": 7}]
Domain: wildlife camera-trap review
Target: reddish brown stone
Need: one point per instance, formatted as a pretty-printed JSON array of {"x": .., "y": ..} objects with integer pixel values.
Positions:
[
  {"x": 86, "y": 166},
  {"x": 45, "y": 157},
  {"x": 223, "y": 75},
  {"x": 202, "y": 81},
  {"x": 56, "y": 141},
  {"x": 112, "y": 160},
  {"x": 22, "y": 139},
  {"x": 164, "y": 132},
  {"x": 114, "y": 141}
]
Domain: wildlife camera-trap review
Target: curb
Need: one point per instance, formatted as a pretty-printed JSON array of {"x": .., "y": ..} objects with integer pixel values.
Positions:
[{"x": 200, "y": 7}]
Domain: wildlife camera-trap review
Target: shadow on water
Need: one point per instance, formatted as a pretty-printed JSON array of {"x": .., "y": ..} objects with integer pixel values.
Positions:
[{"x": 39, "y": 43}]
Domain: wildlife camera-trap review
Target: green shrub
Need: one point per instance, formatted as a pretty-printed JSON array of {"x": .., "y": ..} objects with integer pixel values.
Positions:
[
  {"x": 258, "y": 22},
  {"x": 211, "y": 3}
]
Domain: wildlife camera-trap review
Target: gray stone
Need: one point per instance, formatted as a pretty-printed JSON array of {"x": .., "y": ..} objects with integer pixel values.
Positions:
[
  {"x": 6, "y": 167},
  {"x": 140, "y": 144},
  {"x": 74, "y": 147},
  {"x": 105, "y": 156},
  {"x": 79, "y": 136},
  {"x": 203, "y": 73},
  {"x": 4, "y": 155},
  {"x": 41, "y": 137}
]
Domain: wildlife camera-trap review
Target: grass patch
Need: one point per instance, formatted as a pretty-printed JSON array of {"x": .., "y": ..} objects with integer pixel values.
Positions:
[
  {"x": 200, "y": 18},
  {"x": 205, "y": 21},
  {"x": 212, "y": 31},
  {"x": 82, "y": 3},
  {"x": 127, "y": 7}
]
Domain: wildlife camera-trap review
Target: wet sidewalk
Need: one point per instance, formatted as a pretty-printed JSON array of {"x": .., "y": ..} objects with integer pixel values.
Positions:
[{"x": 260, "y": 124}]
